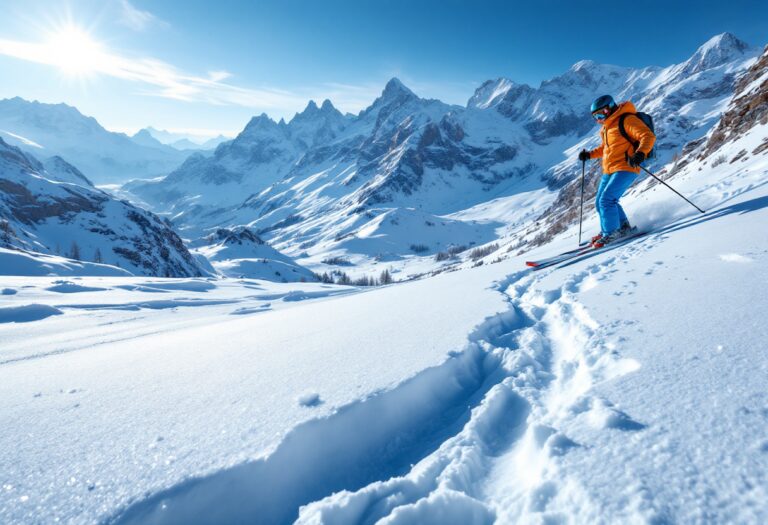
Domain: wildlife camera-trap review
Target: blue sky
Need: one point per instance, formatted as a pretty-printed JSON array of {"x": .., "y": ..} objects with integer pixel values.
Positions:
[{"x": 209, "y": 66}]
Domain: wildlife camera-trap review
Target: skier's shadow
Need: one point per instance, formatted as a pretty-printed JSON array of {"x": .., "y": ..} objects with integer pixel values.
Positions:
[{"x": 751, "y": 205}]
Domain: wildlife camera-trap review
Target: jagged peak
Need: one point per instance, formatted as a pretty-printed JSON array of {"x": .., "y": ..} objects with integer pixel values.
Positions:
[
  {"x": 396, "y": 88},
  {"x": 260, "y": 122},
  {"x": 394, "y": 93},
  {"x": 312, "y": 111}
]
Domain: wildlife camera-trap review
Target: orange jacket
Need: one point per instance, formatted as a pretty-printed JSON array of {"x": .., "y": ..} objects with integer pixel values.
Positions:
[{"x": 615, "y": 148}]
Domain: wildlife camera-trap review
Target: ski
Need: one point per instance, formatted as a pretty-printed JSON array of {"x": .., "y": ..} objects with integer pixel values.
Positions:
[
  {"x": 578, "y": 254},
  {"x": 555, "y": 258}
]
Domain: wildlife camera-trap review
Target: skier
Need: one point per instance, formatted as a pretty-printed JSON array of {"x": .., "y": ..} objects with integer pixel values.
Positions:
[{"x": 621, "y": 163}]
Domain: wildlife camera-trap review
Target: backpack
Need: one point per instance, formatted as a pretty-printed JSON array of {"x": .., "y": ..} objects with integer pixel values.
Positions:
[{"x": 647, "y": 120}]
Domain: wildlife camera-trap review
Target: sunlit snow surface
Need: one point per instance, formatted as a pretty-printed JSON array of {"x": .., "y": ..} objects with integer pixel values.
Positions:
[{"x": 627, "y": 387}]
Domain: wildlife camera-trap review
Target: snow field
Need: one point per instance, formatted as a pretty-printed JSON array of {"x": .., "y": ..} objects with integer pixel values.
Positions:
[{"x": 229, "y": 383}]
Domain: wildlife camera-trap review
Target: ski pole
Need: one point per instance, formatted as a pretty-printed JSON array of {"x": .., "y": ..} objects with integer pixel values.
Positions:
[
  {"x": 581, "y": 206},
  {"x": 673, "y": 189}
]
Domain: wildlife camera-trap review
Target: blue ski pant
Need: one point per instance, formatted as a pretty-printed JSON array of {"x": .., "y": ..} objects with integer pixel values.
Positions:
[{"x": 612, "y": 187}]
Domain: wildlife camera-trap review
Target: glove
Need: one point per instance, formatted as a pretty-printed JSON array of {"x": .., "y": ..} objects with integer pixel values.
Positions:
[
  {"x": 583, "y": 155},
  {"x": 637, "y": 159}
]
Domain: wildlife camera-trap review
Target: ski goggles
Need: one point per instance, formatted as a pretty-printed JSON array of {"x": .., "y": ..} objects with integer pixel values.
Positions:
[{"x": 601, "y": 114}]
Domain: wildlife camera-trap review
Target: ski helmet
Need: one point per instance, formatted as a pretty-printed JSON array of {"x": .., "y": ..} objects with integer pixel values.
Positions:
[{"x": 606, "y": 101}]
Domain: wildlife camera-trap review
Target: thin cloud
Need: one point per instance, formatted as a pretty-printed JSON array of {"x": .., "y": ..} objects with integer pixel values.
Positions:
[
  {"x": 157, "y": 78},
  {"x": 218, "y": 76},
  {"x": 136, "y": 19},
  {"x": 161, "y": 79}
]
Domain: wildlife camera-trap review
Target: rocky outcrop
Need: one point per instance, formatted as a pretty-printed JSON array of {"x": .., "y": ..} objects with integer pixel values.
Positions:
[{"x": 748, "y": 108}]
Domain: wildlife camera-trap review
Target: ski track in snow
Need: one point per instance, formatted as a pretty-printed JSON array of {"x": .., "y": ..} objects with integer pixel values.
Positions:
[{"x": 496, "y": 409}]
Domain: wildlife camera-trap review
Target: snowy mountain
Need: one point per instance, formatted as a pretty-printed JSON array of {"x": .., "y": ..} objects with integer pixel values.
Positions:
[
  {"x": 311, "y": 184},
  {"x": 58, "y": 129},
  {"x": 185, "y": 144},
  {"x": 51, "y": 208},
  {"x": 179, "y": 141},
  {"x": 144, "y": 138},
  {"x": 241, "y": 253}
]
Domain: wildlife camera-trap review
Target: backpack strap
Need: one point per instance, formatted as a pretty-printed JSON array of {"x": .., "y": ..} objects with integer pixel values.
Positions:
[{"x": 635, "y": 143}]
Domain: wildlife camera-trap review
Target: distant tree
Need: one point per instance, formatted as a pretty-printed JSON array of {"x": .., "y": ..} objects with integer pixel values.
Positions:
[
  {"x": 97, "y": 256},
  {"x": 343, "y": 278},
  {"x": 385, "y": 278},
  {"x": 74, "y": 251}
]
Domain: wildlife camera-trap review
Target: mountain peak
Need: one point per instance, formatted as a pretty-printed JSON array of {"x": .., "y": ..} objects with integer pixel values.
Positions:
[
  {"x": 715, "y": 52},
  {"x": 260, "y": 122},
  {"x": 312, "y": 112},
  {"x": 144, "y": 132},
  {"x": 395, "y": 88},
  {"x": 583, "y": 64},
  {"x": 724, "y": 41}
]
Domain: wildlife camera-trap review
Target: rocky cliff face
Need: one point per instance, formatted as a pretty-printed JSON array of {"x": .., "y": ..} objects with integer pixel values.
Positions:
[{"x": 748, "y": 108}]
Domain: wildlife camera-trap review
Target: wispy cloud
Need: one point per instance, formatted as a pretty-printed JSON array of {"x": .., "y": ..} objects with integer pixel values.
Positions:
[
  {"x": 161, "y": 79},
  {"x": 136, "y": 19}
]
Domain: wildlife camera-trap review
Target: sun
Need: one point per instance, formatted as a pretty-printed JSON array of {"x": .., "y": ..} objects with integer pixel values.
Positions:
[{"x": 74, "y": 51}]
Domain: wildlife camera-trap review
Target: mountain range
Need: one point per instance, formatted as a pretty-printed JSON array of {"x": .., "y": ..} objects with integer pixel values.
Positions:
[
  {"x": 47, "y": 130},
  {"x": 181, "y": 141},
  {"x": 320, "y": 184}
]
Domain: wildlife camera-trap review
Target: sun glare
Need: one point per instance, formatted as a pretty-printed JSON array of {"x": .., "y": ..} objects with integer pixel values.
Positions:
[{"x": 74, "y": 52}]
